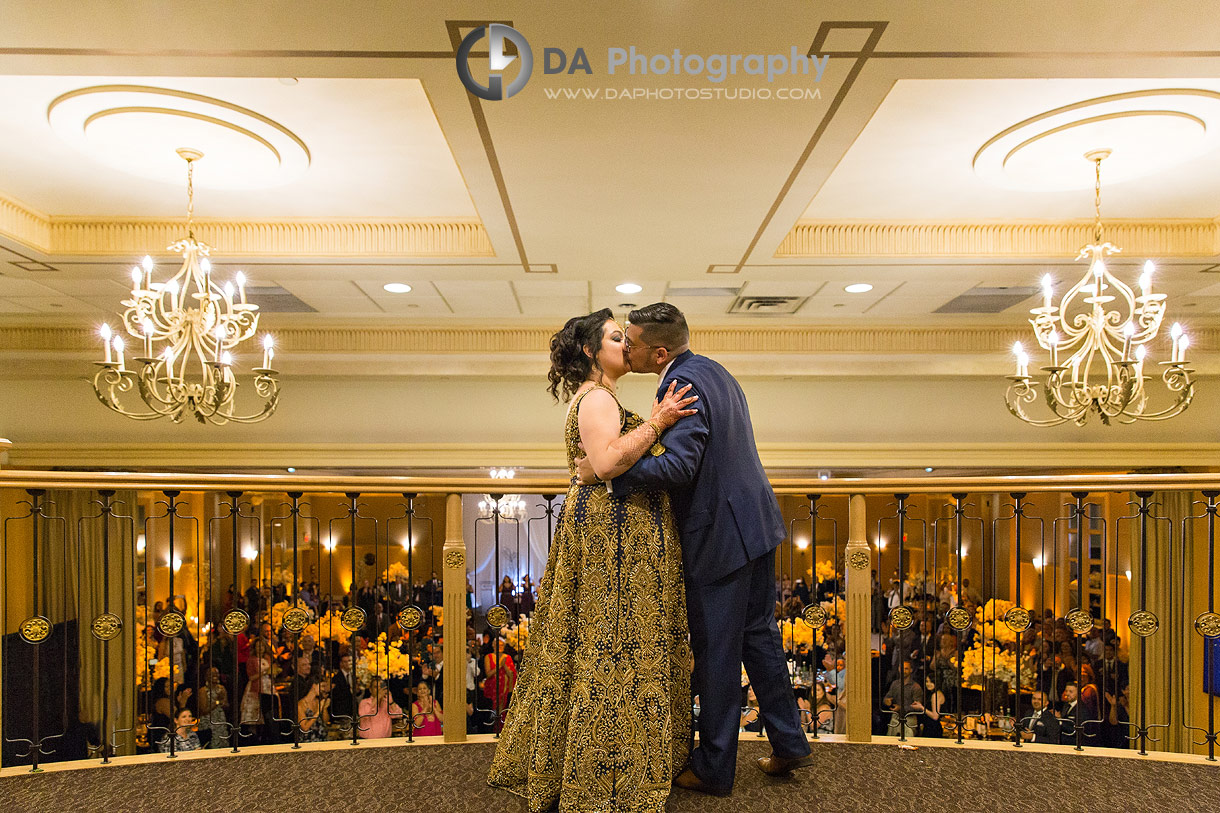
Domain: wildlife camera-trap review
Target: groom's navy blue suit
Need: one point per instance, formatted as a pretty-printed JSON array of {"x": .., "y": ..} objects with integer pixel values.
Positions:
[{"x": 730, "y": 525}]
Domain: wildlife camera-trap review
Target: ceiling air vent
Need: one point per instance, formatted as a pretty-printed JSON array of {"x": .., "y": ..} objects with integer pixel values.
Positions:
[
  {"x": 987, "y": 300},
  {"x": 274, "y": 299},
  {"x": 767, "y": 305}
]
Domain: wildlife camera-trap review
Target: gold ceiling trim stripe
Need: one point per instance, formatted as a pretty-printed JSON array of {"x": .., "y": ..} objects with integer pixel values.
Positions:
[
  {"x": 1179, "y": 238},
  {"x": 107, "y": 456},
  {"x": 125, "y": 237},
  {"x": 477, "y": 340}
]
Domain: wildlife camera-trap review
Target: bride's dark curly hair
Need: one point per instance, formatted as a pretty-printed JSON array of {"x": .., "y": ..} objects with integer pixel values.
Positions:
[{"x": 574, "y": 353}]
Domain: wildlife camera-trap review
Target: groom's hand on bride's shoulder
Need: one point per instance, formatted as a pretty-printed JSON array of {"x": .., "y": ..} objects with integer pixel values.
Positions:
[{"x": 584, "y": 472}]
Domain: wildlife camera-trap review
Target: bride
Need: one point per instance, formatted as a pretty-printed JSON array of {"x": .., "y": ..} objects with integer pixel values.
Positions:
[{"x": 601, "y": 718}]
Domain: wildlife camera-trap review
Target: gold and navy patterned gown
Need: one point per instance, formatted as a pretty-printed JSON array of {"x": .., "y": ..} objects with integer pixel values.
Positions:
[{"x": 601, "y": 717}]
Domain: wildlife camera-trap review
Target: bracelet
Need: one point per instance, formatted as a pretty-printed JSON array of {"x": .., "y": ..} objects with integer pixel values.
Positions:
[{"x": 655, "y": 428}]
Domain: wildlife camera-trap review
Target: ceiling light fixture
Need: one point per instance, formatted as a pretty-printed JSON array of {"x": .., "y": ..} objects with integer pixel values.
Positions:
[
  {"x": 1097, "y": 355},
  {"x": 397, "y": 287},
  {"x": 858, "y": 288},
  {"x": 207, "y": 323},
  {"x": 628, "y": 288}
]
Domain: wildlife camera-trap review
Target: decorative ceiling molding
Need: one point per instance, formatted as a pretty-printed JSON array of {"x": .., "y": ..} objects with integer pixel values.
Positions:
[
  {"x": 1161, "y": 238},
  {"x": 91, "y": 237},
  {"x": 442, "y": 339},
  {"x": 550, "y": 456}
]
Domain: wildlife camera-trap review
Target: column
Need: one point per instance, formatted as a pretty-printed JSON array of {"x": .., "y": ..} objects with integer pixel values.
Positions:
[
  {"x": 857, "y": 568},
  {"x": 454, "y": 580}
]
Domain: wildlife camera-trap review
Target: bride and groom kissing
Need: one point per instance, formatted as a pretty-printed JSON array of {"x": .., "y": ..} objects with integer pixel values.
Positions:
[{"x": 665, "y": 548}]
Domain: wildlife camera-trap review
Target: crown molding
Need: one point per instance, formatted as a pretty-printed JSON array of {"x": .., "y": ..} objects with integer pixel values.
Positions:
[
  {"x": 428, "y": 339},
  {"x": 550, "y": 456},
  {"x": 89, "y": 237},
  {"x": 1159, "y": 238}
]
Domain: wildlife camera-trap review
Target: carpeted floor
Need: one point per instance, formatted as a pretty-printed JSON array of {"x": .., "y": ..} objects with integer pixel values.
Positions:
[{"x": 440, "y": 779}]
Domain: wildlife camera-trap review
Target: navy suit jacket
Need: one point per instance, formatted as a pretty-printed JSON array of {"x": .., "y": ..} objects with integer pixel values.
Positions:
[{"x": 726, "y": 512}]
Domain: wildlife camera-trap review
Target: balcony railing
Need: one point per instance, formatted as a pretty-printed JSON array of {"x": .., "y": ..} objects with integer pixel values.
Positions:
[{"x": 1077, "y": 610}]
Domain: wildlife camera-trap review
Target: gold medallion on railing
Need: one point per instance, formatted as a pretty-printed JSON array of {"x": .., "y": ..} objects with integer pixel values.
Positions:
[
  {"x": 35, "y": 629},
  {"x": 410, "y": 617},
  {"x": 236, "y": 621},
  {"x": 1017, "y": 619},
  {"x": 1143, "y": 623},
  {"x": 296, "y": 620},
  {"x": 901, "y": 618},
  {"x": 815, "y": 616},
  {"x": 1079, "y": 621},
  {"x": 958, "y": 619},
  {"x": 107, "y": 626},
  {"x": 497, "y": 616},
  {"x": 353, "y": 618},
  {"x": 859, "y": 560},
  {"x": 1208, "y": 625},
  {"x": 171, "y": 623},
  {"x": 455, "y": 559}
]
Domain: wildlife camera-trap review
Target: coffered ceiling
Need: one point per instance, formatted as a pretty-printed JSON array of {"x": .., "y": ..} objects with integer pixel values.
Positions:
[{"x": 344, "y": 153}]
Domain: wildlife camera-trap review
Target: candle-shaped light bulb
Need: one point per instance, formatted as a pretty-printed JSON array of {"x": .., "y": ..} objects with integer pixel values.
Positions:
[
  {"x": 1140, "y": 353},
  {"x": 241, "y": 286},
  {"x": 148, "y": 334},
  {"x": 220, "y": 337},
  {"x": 229, "y": 291},
  {"x": 1128, "y": 332},
  {"x": 118, "y": 348},
  {"x": 147, "y": 263},
  {"x": 106, "y": 334},
  {"x": 137, "y": 277},
  {"x": 227, "y": 358},
  {"x": 1047, "y": 290},
  {"x": 1146, "y": 278},
  {"x": 1183, "y": 343},
  {"x": 1017, "y": 349},
  {"x": 168, "y": 355},
  {"x": 1022, "y": 364},
  {"x": 205, "y": 265},
  {"x": 1175, "y": 333},
  {"x": 1053, "y": 341},
  {"x": 268, "y": 351}
]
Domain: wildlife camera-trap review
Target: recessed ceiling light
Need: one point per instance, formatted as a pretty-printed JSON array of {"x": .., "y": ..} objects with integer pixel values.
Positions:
[
  {"x": 858, "y": 288},
  {"x": 397, "y": 287},
  {"x": 628, "y": 288},
  {"x": 288, "y": 80},
  {"x": 291, "y": 470},
  {"x": 928, "y": 468}
]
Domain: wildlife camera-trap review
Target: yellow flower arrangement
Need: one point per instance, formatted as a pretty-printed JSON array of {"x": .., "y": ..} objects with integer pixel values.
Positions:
[
  {"x": 985, "y": 660},
  {"x": 990, "y": 620},
  {"x": 825, "y": 571},
  {"x": 519, "y": 634},
  {"x": 395, "y": 570},
  {"x": 381, "y": 661},
  {"x": 438, "y": 612}
]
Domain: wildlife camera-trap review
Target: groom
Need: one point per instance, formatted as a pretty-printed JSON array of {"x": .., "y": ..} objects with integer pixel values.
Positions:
[{"x": 730, "y": 525}]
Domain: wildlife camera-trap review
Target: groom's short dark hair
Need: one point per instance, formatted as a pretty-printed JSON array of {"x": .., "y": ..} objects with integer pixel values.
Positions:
[{"x": 662, "y": 325}]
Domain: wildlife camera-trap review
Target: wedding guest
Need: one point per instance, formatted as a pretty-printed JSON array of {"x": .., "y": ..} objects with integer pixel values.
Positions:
[
  {"x": 929, "y": 713},
  {"x": 1042, "y": 725},
  {"x": 904, "y": 693},
  {"x": 185, "y": 739},
  {"x": 213, "y": 711},
  {"x": 426, "y": 714},
  {"x": 342, "y": 704},
  {"x": 313, "y": 712},
  {"x": 377, "y": 713}
]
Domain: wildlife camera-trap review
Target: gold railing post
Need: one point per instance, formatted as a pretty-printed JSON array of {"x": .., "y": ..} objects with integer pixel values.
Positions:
[
  {"x": 454, "y": 579},
  {"x": 858, "y": 562}
]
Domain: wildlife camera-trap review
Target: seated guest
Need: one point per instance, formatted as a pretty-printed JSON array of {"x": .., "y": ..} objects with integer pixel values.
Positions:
[
  {"x": 185, "y": 739},
  {"x": 313, "y": 712},
  {"x": 426, "y": 714},
  {"x": 1041, "y": 725},
  {"x": 377, "y": 713},
  {"x": 929, "y": 713}
]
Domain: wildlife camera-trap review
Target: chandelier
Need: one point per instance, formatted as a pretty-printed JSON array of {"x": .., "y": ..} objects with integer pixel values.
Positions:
[
  {"x": 187, "y": 330},
  {"x": 510, "y": 507},
  {"x": 1098, "y": 353}
]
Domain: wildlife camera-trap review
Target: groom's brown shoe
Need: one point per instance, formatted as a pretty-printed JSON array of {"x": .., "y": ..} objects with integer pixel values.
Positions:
[
  {"x": 687, "y": 780},
  {"x": 783, "y": 766}
]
